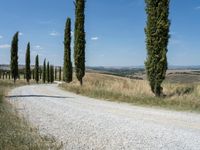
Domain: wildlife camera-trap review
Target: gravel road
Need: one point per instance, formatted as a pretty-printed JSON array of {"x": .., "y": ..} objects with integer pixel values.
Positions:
[{"x": 85, "y": 123}]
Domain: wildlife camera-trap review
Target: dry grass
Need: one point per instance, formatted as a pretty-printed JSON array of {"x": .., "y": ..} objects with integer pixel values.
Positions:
[
  {"x": 15, "y": 132},
  {"x": 108, "y": 87}
]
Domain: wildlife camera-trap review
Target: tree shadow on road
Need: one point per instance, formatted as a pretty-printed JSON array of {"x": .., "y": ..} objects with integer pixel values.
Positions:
[{"x": 39, "y": 96}]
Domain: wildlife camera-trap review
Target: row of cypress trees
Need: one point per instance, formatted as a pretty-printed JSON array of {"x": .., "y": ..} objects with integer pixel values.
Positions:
[
  {"x": 47, "y": 73},
  {"x": 157, "y": 37},
  {"x": 79, "y": 45}
]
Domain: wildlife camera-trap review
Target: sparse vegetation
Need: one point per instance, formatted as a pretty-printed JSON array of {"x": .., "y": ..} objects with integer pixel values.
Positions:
[
  {"x": 178, "y": 96},
  {"x": 15, "y": 132}
]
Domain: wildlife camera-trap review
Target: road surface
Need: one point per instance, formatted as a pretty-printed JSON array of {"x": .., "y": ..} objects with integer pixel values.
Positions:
[{"x": 86, "y": 123}]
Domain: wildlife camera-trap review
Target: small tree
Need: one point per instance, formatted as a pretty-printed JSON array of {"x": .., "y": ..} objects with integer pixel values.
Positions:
[
  {"x": 67, "y": 68},
  {"x": 48, "y": 73},
  {"x": 157, "y": 36},
  {"x": 37, "y": 69},
  {"x": 44, "y": 72},
  {"x": 28, "y": 61},
  {"x": 14, "y": 57},
  {"x": 79, "y": 40}
]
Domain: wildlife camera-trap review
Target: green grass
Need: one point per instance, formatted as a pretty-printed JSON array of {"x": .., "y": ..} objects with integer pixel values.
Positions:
[
  {"x": 15, "y": 132},
  {"x": 113, "y": 88}
]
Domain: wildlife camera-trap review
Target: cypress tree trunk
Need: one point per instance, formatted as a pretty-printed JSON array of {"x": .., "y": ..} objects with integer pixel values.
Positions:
[
  {"x": 14, "y": 57},
  {"x": 28, "y": 61},
  {"x": 37, "y": 69},
  {"x": 157, "y": 36},
  {"x": 79, "y": 41},
  {"x": 67, "y": 68},
  {"x": 44, "y": 72}
]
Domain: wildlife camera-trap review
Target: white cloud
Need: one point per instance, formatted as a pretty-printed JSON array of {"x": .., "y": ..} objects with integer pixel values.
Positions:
[
  {"x": 38, "y": 47},
  {"x": 1, "y": 37},
  {"x": 20, "y": 33},
  {"x": 54, "y": 33},
  {"x": 5, "y": 46},
  {"x": 95, "y": 38}
]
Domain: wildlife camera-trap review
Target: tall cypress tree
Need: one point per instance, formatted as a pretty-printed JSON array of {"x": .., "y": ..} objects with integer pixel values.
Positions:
[
  {"x": 157, "y": 36},
  {"x": 37, "y": 69},
  {"x": 79, "y": 40},
  {"x": 48, "y": 71},
  {"x": 14, "y": 57},
  {"x": 28, "y": 61},
  {"x": 67, "y": 68},
  {"x": 44, "y": 72}
]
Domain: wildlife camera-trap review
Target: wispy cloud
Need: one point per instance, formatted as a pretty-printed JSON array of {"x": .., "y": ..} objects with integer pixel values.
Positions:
[
  {"x": 20, "y": 33},
  {"x": 1, "y": 37},
  {"x": 38, "y": 47},
  {"x": 197, "y": 8},
  {"x": 54, "y": 33},
  {"x": 95, "y": 38},
  {"x": 5, "y": 46}
]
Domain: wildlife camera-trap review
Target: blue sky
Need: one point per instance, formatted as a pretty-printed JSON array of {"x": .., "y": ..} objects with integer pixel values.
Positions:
[{"x": 114, "y": 31}]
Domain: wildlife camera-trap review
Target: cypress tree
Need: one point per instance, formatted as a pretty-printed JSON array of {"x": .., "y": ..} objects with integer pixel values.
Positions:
[
  {"x": 79, "y": 40},
  {"x": 67, "y": 68},
  {"x": 51, "y": 74},
  {"x": 40, "y": 73},
  {"x": 33, "y": 74},
  {"x": 28, "y": 61},
  {"x": 60, "y": 72},
  {"x": 14, "y": 57},
  {"x": 157, "y": 36},
  {"x": 55, "y": 73},
  {"x": 44, "y": 72},
  {"x": 9, "y": 75},
  {"x": 48, "y": 71},
  {"x": 37, "y": 69}
]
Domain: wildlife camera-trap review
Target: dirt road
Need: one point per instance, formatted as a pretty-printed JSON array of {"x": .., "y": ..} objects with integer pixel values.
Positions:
[{"x": 85, "y": 123}]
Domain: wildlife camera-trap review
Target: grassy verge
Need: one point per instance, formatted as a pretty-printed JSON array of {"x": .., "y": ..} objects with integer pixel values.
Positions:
[
  {"x": 113, "y": 88},
  {"x": 15, "y": 132}
]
